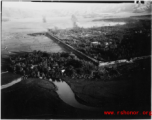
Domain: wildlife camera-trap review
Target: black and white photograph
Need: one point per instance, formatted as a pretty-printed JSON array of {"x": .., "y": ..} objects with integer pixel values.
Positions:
[{"x": 76, "y": 60}]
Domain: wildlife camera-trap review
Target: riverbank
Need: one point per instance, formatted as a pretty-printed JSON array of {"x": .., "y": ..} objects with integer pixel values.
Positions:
[
  {"x": 99, "y": 94},
  {"x": 129, "y": 91},
  {"x": 36, "y": 98},
  {"x": 32, "y": 98}
]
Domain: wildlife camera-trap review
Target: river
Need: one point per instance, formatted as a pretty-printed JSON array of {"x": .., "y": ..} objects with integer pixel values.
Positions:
[
  {"x": 66, "y": 94},
  {"x": 37, "y": 25},
  {"x": 63, "y": 90}
]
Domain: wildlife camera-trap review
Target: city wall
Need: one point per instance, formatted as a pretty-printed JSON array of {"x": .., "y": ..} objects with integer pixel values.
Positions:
[
  {"x": 83, "y": 56},
  {"x": 71, "y": 49}
]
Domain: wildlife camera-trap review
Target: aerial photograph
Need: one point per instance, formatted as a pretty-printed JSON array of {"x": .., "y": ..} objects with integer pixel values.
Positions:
[{"x": 62, "y": 60}]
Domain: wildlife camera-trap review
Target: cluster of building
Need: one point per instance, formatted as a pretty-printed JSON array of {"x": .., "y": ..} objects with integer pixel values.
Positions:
[{"x": 110, "y": 42}]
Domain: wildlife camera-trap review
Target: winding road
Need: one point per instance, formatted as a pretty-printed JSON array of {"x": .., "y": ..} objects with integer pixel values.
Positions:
[{"x": 11, "y": 83}]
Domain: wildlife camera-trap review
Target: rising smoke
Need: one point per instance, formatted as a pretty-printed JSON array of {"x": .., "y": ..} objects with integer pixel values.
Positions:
[
  {"x": 74, "y": 21},
  {"x": 44, "y": 19}
]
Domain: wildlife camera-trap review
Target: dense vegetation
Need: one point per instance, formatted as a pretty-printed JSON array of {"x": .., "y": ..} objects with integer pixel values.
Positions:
[{"x": 38, "y": 64}]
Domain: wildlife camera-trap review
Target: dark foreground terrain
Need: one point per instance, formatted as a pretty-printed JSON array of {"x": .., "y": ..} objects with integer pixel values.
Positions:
[
  {"x": 131, "y": 91},
  {"x": 36, "y": 98}
]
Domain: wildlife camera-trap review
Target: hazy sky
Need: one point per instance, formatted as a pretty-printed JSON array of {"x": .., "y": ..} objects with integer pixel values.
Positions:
[
  {"x": 89, "y": 7},
  {"x": 40, "y": 5},
  {"x": 31, "y": 5}
]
